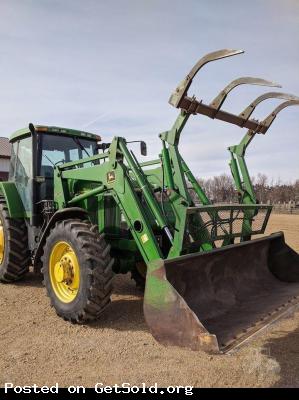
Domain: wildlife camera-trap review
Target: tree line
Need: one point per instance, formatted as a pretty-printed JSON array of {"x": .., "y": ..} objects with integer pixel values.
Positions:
[{"x": 222, "y": 189}]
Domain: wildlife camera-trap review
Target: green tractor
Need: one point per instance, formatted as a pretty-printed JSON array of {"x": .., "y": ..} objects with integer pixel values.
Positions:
[{"x": 80, "y": 210}]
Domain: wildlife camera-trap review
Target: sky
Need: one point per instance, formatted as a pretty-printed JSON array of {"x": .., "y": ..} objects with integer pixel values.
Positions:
[{"x": 109, "y": 67}]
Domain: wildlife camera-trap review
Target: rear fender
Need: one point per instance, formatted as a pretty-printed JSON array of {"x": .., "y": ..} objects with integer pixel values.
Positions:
[{"x": 13, "y": 200}]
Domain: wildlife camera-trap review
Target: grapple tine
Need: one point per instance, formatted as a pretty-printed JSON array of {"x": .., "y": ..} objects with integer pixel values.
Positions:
[
  {"x": 267, "y": 122},
  {"x": 191, "y": 105},
  {"x": 183, "y": 87},
  {"x": 219, "y": 100},
  {"x": 270, "y": 95}
]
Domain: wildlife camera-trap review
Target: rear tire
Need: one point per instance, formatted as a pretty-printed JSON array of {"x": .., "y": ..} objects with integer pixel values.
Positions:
[
  {"x": 14, "y": 252},
  {"x": 81, "y": 284}
]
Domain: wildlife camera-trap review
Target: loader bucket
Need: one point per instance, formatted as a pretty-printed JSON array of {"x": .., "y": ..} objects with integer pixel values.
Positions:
[{"x": 217, "y": 300}]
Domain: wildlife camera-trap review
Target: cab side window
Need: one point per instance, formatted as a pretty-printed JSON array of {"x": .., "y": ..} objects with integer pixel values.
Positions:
[
  {"x": 23, "y": 172},
  {"x": 13, "y": 159}
]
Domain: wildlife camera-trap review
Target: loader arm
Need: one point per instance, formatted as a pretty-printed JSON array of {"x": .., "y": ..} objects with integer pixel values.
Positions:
[
  {"x": 176, "y": 174},
  {"x": 113, "y": 177},
  {"x": 237, "y": 163},
  {"x": 121, "y": 166}
]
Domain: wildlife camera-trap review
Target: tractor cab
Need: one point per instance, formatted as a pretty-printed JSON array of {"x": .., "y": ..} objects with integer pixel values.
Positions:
[{"x": 36, "y": 150}]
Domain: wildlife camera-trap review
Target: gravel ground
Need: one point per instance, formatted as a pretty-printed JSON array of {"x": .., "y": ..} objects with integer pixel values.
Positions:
[{"x": 38, "y": 347}]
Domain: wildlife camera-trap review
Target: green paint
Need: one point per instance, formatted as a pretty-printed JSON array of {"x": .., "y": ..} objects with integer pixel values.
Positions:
[
  {"x": 243, "y": 181},
  {"x": 13, "y": 200}
]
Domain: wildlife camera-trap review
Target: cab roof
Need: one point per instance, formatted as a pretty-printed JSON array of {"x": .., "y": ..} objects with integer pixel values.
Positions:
[{"x": 53, "y": 130}]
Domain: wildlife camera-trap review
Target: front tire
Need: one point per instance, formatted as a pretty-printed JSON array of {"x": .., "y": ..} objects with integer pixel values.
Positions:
[
  {"x": 77, "y": 270},
  {"x": 14, "y": 252}
]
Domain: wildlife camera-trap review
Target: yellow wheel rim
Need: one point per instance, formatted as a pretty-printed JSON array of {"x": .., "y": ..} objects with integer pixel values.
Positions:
[
  {"x": 2, "y": 242},
  {"x": 64, "y": 271}
]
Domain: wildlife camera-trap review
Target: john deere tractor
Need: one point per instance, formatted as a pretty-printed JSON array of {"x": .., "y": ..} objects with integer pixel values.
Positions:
[{"x": 79, "y": 211}]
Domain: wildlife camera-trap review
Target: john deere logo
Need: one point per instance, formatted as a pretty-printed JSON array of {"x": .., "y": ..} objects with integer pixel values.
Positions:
[{"x": 111, "y": 177}]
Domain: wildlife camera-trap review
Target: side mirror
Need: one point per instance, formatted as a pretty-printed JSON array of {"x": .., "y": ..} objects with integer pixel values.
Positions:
[
  {"x": 143, "y": 148},
  {"x": 103, "y": 146}
]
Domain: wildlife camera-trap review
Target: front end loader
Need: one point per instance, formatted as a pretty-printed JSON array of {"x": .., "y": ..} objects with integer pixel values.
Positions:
[{"x": 81, "y": 210}]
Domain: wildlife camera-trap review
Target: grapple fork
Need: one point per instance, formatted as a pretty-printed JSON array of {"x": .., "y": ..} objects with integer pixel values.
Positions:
[{"x": 217, "y": 299}]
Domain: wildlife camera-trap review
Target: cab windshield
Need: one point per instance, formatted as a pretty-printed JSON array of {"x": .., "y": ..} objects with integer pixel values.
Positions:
[{"x": 58, "y": 149}]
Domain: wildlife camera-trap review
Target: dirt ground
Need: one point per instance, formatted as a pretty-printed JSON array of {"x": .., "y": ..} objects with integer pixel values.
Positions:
[{"x": 38, "y": 347}]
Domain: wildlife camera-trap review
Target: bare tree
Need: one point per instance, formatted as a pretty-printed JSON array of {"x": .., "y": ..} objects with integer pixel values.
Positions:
[{"x": 221, "y": 189}]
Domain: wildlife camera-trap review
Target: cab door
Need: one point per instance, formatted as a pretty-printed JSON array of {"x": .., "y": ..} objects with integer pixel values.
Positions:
[{"x": 23, "y": 171}]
